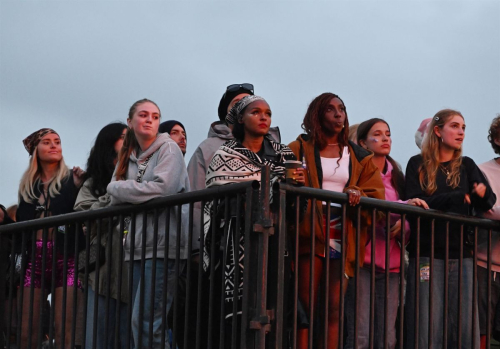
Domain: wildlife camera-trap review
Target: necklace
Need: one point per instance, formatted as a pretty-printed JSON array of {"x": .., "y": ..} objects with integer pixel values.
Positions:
[
  {"x": 445, "y": 170},
  {"x": 333, "y": 144}
]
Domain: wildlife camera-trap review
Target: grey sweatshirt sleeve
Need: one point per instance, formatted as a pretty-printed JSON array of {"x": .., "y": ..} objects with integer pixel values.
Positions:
[
  {"x": 196, "y": 170},
  {"x": 169, "y": 177},
  {"x": 85, "y": 199}
]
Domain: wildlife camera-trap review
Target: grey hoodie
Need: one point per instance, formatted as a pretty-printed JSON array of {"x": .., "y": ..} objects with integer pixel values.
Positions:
[
  {"x": 218, "y": 134},
  {"x": 165, "y": 175}
]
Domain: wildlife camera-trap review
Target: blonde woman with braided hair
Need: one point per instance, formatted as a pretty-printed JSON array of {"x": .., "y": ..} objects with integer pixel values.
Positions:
[{"x": 450, "y": 182}]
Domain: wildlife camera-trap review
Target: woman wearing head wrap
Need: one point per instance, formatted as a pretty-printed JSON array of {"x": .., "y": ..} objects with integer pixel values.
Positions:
[
  {"x": 450, "y": 182},
  {"x": 236, "y": 161},
  {"x": 336, "y": 164},
  {"x": 47, "y": 188}
]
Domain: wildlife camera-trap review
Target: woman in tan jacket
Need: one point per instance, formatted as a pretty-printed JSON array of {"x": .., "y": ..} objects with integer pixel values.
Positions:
[{"x": 332, "y": 163}]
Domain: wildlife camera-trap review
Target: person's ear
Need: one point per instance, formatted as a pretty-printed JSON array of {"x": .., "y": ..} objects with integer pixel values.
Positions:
[
  {"x": 128, "y": 123},
  {"x": 437, "y": 131},
  {"x": 497, "y": 141},
  {"x": 362, "y": 144}
]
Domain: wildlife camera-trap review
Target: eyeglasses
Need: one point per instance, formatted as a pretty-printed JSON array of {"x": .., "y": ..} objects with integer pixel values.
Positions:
[{"x": 236, "y": 87}]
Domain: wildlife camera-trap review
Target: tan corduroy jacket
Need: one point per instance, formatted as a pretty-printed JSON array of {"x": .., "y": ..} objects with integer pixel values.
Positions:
[{"x": 363, "y": 176}]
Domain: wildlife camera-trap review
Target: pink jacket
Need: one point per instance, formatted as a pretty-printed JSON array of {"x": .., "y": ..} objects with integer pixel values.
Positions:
[{"x": 380, "y": 235}]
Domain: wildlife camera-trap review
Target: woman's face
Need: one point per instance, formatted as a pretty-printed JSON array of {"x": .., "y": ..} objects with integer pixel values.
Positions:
[
  {"x": 145, "y": 121},
  {"x": 453, "y": 132},
  {"x": 49, "y": 149},
  {"x": 257, "y": 118},
  {"x": 334, "y": 118},
  {"x": 378, "y": 139}
]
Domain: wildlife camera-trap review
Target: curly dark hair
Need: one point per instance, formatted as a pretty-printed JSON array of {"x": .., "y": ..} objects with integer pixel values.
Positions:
[
  {"x": 313, "y": 121},
  {"x": 100, "y": 165},
  {"x": 494, "y": 134}
]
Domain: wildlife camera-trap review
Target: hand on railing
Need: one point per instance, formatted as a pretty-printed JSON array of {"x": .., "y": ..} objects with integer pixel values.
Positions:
[
  {"x": 354, "y": 196},
  {"x": 418, "y": 202}
]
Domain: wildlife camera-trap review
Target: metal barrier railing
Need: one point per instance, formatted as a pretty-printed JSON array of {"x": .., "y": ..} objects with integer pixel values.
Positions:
[
  {"x": 243, "y": 290},
  {"x": 318, "y": 334},
  {"x": 64, "y": 323}
]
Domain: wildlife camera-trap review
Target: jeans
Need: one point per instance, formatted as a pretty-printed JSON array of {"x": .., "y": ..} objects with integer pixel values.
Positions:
[
  {"x": 364, "y": 310},
  {"x": 159, "y": 308},
  {"x": 438, "y": 311},
  {"x": 482, "y": 282},
  {"x": 102, "y": 337}
]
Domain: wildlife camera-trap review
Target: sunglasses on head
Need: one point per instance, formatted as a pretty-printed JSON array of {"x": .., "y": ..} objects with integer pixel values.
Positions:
[{"x": 236, "y": 87}]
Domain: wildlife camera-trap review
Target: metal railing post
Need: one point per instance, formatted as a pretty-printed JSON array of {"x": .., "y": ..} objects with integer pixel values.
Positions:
[{"x": 261, "y": 322}]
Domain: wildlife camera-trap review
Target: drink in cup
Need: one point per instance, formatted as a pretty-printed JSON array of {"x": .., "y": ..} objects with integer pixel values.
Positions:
[{"x": 291, "y": 166}]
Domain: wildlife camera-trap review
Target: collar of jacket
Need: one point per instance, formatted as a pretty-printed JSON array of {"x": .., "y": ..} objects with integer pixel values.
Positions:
[{"x": 359, "y": 153}]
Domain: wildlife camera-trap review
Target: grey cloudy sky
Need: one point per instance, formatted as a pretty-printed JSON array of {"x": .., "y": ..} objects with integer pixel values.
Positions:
[{"x": 76, "y": 66}]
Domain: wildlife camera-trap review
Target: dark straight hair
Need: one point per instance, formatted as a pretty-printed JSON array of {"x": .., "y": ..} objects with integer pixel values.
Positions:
[
  {"x": 101, "y": 162},
  {"x": 397, "y": 178}
]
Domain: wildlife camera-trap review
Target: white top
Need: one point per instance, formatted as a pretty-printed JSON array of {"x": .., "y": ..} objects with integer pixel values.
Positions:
[
  {"x": 336, "y": 175},
  {"x": 491, "y": 170}
]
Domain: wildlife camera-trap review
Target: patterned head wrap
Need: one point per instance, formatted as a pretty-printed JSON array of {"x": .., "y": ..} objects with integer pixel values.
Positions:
[
  {"x": 33, "y": 139},
  {"x": 234, "y": 114}
]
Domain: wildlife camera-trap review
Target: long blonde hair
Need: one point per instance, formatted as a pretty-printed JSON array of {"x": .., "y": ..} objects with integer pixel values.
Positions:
[
  {"x": 32, "y": 175},
  {"x": 430, "y": 154}
]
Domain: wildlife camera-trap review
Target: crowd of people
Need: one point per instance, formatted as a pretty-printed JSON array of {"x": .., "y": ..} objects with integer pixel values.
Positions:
[{"x": 144, "y": 159}]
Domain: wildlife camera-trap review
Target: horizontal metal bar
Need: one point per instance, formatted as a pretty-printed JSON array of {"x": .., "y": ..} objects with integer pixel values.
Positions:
[
  {"x": 158, "y": 203},
  {"x": 394, "y": 207}
]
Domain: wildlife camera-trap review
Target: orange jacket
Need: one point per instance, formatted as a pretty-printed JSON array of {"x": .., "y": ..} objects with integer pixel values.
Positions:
[{"x": 363, "y": 176}]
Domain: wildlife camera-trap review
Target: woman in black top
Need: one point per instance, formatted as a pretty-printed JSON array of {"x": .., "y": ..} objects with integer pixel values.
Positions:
[
  {"x": 47, "y": 188},
  {"x": 453, "y": 183}
]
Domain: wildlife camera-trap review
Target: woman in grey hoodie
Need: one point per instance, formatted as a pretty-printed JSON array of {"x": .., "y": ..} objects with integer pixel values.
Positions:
[{"x": 150, "y": 165}]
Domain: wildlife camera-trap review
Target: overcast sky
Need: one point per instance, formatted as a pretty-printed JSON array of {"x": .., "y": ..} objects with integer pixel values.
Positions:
[{"x": 77, "y": 66}]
